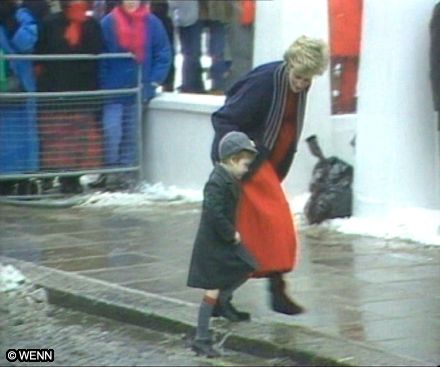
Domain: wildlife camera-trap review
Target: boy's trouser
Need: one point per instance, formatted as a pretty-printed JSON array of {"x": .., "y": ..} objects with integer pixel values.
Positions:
[{"x": 226, "y": 294}]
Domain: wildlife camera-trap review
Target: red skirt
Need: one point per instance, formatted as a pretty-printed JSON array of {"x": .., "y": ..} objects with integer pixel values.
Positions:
[{"x": 266, "y": 223}]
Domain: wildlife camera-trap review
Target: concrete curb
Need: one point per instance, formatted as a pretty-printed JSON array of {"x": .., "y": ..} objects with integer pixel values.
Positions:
[{"x": 167, "y": 314}]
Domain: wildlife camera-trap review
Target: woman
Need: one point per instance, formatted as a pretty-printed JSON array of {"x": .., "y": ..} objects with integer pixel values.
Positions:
[
  {"x": 130, "y": 27},
  {"x": 68, "y": 127},
  {"x": 268, "y": 105},
  {"x": 18, "y": 132}
]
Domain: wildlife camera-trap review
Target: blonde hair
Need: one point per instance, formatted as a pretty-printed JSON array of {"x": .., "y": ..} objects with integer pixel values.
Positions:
[{"x": 307, "y": 56}]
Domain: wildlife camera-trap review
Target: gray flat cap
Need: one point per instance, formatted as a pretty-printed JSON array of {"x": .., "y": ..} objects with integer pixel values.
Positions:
[{"x": 234, "y": 142}]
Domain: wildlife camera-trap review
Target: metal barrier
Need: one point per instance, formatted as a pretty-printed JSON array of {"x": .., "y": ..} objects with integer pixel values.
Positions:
[{"x": 71, "y": 133}]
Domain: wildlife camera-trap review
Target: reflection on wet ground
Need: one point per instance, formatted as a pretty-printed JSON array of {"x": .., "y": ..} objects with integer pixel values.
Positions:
[{"x": 375, "y": 291}]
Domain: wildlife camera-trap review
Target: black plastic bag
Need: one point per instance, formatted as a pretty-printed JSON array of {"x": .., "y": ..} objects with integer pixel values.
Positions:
[{"x": 330, "y": 187}]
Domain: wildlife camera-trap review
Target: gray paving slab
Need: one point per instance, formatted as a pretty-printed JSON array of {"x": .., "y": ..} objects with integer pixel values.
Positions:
[{"x": 373, "y": 293}]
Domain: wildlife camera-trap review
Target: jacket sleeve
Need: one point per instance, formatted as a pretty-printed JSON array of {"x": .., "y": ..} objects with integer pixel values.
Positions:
[
  {"x": 25, "y": 37},
  {"x": 214, "y": 201},
  {"x": 161, "y": 51},
  {"x": 245, "y": 110}
]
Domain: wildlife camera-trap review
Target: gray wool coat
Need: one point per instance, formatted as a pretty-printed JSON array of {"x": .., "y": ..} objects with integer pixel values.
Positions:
[{"x": 217, "y": 261}]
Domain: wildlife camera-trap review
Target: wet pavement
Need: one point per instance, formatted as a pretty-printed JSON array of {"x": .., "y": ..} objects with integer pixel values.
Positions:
[
  {"x": 380, "y": 293},
  {"x": 84, "y": 340}
]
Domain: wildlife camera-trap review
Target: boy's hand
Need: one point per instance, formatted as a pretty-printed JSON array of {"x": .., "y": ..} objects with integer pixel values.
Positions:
[{"x": 237, "y": 238}]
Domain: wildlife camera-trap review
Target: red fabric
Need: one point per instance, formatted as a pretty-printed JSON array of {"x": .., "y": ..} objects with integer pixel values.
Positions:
[
  {"x": 345, "y": 18},
  {"x": 76, "y": 15},
  {"x": 247, "y": 15},
  {"x": 69, "y": 141},
  {"x": 131, "y": 30},
  {"x": 347, "y": 97},
  {"x": 265, "y": 221}
]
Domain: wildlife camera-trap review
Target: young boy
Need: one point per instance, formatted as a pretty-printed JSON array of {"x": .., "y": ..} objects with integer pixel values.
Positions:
[{"x": 220, "y": 263}]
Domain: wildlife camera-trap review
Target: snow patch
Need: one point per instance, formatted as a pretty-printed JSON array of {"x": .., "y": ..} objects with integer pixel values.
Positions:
[
  {"x": 10, "y": 278},
  {"x": 146, "y": 194},
  {"x": 408, "y": 224}
]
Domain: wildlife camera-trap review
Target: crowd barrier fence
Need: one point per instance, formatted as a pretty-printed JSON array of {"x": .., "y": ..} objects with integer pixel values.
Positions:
[{"x": 58, "y": 134}]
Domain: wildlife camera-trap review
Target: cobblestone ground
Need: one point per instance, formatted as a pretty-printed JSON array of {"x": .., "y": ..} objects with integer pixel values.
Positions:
[{"x": 78, "y": 339}]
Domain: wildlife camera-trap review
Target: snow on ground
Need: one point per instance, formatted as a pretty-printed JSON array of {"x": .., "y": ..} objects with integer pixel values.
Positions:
[
  {"x": 10, "y": 278},
  {"x": 146, "y": 194},
  {"x": 412, "y": 224},
  {"x": 408, "y": 224}
]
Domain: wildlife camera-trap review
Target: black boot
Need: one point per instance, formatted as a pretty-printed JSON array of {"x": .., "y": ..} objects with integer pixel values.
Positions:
[
  {"x": 8, "y": 188},
  {"x": 228, "y": 311},
  {"x": 28, "y": 187},
  {"x": 280, "y": 301},
  {"x": 70, "y": 185}
]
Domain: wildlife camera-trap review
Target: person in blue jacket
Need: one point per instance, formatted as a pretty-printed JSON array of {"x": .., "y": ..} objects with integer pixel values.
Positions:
[
  {"x": 18, "y": 126},
  {"x": 130, "y": 27}
]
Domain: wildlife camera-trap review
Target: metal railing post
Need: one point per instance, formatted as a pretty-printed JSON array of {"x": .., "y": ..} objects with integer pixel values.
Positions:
[{"x": 140, "y": 117}]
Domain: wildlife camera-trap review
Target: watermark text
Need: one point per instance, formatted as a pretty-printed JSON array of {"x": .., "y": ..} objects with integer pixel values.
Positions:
[{"x": 30, "y": 355}]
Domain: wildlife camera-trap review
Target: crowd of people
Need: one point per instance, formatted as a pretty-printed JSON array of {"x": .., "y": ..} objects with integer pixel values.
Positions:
[{"x": 35, "y": 137}]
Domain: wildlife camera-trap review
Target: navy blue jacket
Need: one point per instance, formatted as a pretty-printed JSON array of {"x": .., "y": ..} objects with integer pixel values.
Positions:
[{"x": 255, "y": 105}]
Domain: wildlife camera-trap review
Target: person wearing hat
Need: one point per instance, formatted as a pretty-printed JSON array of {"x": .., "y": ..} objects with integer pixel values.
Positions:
[
  {"x": 220, "y": 263},
  {"x": 268, "y": 104}
]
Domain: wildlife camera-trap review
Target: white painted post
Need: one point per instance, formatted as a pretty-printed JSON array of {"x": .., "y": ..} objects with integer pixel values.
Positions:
[{"x": 395, "y": 146}]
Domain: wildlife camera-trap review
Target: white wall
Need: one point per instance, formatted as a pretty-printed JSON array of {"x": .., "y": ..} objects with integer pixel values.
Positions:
[
  {"x": 177, "y": 139},
  {"x": 396, "y": 155}
]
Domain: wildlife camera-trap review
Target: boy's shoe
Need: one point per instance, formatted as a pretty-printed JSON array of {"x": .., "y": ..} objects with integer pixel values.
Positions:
[
  {"x": 205, "y": 347},
  {"x": 228, "y": 311}
]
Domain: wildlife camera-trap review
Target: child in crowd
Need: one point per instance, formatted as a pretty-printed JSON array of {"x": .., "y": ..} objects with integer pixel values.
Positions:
[{"x": 220, "y": 263}]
